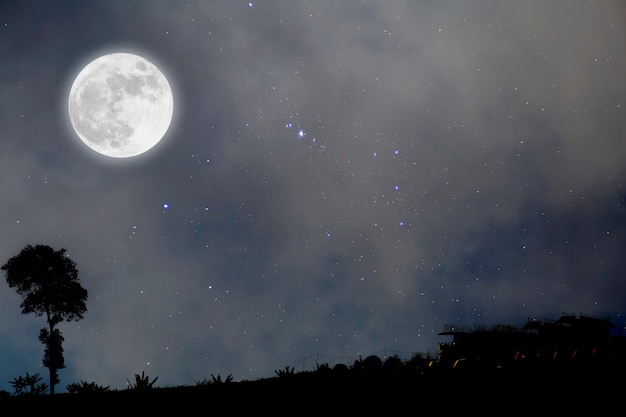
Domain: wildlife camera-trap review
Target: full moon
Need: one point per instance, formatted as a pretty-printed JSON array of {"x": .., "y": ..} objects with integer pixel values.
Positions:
[{"x": 120, "y": 105}]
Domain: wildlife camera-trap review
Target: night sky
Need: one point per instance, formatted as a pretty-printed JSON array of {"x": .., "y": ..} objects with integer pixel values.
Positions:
[{"x": 340, "y": 178}]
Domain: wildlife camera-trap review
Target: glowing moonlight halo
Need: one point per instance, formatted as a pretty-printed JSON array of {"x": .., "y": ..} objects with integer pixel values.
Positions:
[{"x": 120, "y": 105}]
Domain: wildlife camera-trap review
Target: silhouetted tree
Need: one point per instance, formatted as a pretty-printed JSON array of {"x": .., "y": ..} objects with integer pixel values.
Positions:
[
  {"x": 47, "y": 281},
  {"x": 392, "y": 363}
]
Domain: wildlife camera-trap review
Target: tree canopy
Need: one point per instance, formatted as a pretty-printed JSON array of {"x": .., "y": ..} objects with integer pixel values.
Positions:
[{"x": 47, "y": 281}]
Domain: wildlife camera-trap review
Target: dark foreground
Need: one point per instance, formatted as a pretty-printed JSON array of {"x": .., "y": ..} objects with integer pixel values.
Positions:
[{"x": 517, "y": 392}]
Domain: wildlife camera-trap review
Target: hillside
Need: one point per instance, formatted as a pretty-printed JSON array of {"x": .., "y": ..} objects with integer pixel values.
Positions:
[{"x": 522, "y": 389}]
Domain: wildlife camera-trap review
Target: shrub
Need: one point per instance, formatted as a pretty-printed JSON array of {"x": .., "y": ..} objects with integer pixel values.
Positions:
[
  {"x": 282, "y": 373},
  {"x": 141, "y": 382},
  {"x": 29, "y": 385},
  {"x": 218, "y": 380},
  {"x": 83, "y": 387}
]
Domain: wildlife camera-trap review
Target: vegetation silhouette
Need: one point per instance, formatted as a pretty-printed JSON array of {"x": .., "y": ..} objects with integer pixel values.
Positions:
[
  {"x": 375, "y": 384},
  {"x": 142, "y": 382},
  {"x": 390, "y": 384},
  {"x": 505, "y": 361},
  {"x": 29, "y": 385},
  {"x": 47, "y": 281}
]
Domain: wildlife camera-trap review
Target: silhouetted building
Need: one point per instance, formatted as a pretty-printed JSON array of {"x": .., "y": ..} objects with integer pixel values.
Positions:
[{"x": 570, "y": 340}]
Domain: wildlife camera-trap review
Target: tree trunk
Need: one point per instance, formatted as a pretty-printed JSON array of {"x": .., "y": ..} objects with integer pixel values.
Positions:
[
  {"x": 51, "y": 364},
  {"x": 52, "y": 372}
]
